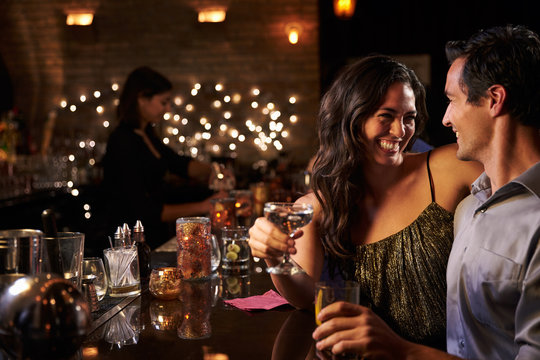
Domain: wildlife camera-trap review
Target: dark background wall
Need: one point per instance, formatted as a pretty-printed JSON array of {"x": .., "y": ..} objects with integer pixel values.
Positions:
[
  {"x": 45, "y": 61},
  {"x": 48, "y": 62},
  {"x": 396, "y": 27}
]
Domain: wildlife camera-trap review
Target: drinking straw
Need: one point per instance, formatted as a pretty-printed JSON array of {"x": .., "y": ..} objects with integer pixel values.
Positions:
[{"x": 53, "y": 247}]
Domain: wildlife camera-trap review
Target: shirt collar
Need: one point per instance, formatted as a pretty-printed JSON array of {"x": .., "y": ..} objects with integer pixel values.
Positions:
[
  {"x": 530, "y": 180},
  {"x": 481, "y": 187}
]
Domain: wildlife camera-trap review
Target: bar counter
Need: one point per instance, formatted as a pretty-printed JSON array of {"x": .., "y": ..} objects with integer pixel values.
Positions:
[{"x": 144, "y": 327}]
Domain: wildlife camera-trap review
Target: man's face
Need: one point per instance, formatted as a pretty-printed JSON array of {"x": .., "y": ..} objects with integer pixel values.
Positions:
[{"x": 471, "y": 123}]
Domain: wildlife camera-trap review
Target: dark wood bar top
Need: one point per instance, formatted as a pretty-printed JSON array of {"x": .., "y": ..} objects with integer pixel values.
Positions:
[{"x": 149, "y": 328}]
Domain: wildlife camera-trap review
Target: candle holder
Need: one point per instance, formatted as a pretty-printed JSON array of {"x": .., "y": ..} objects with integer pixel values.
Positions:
[
  {"x": 223, "y": 214},
  {"x": 165, "y": 283},
  {"x": 243, "y": 206},
  {"x": 194, "y": 248}
]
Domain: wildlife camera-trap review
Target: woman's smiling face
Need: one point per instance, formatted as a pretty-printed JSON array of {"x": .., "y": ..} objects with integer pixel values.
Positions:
[{"x": 390, "y": 128}]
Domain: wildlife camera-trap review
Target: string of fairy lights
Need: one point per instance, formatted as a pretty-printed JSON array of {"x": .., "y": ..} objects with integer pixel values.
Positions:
[{"x": 208, "y": 120}]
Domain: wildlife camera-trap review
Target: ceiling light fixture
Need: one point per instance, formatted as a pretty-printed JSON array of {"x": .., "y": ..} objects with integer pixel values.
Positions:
[
  {"x": 344, "y": 9},
  {"x": 212, "y": 15},
  {"x": 80, "y": 18}
]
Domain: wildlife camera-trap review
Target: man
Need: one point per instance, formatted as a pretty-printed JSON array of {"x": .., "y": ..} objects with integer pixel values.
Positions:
[{"x": 493, "y": 274}]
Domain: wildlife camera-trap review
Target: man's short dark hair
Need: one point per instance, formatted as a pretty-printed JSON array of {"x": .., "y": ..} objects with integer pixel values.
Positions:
[{"x": 508, "y": 56}]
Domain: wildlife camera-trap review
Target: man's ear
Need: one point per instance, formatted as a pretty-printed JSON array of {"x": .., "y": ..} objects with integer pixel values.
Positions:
[{"x": 497, "y": 99}]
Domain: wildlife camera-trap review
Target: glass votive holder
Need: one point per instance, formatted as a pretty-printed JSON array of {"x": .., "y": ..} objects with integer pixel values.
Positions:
[
  {"x": 194, "y": 248},
  {"x": 223, "y": 214},
  {"x": 165, "y": 283},
  {"x": 243, "y": 206}
]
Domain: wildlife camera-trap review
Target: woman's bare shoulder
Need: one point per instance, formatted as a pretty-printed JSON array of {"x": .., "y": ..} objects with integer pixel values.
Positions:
[
  {"x": 445, "y": 157},
  {"x": 445, "y": 165}
]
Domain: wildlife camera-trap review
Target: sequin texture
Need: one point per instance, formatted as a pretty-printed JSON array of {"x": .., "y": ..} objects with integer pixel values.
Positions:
[
  {"x": 403, "y": 277},
  {"x": 194, "y": 248}
]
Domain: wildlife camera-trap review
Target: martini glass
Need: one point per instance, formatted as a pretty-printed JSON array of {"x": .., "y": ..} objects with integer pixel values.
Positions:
[{"x": 288, "y": 217}]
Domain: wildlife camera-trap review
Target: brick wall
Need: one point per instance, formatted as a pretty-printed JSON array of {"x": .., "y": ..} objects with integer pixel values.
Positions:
[{"x": 49, "y": 61}]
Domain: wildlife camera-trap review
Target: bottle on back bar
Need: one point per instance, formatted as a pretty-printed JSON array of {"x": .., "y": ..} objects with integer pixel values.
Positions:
[{"x": 143, "y": 250}]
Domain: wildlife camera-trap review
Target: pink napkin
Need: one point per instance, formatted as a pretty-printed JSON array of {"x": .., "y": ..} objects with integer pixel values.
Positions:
[{"x": 266, "y": 301}]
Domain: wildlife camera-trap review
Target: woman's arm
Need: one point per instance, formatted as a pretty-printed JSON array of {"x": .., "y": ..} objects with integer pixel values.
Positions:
[
  {"x": 268, "y": 242},
  {"x": 183, "y": 166},
  {"x": 171, "y": 212}
]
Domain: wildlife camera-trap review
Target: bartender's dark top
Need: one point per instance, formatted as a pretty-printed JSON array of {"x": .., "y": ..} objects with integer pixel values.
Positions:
[{"x": 134, "y": 180}]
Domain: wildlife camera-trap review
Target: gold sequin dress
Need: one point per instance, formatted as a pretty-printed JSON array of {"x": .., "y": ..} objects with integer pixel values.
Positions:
[{"x": 403, "y": 277}]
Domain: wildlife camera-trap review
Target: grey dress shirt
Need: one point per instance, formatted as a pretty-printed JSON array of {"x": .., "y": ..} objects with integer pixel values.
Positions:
[{"x": 493, "y": 274}]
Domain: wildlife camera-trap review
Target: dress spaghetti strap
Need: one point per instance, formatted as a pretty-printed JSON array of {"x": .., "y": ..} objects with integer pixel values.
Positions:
[{"x": 430, "y": 178}]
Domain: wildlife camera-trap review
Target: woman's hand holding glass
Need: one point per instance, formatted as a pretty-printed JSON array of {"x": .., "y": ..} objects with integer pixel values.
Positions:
[
  {"x": 348, "y": 328},
  {"x": 268, "y": 242},
  {"x": 288, "y": 217}
]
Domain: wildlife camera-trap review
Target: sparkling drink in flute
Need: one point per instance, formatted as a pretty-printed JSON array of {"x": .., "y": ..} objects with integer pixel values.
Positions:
[{"x": 288, "y": 217}]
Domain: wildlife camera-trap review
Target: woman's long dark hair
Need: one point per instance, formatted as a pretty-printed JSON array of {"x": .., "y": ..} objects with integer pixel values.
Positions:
[
  {"x": 338, "y": 176},
  {"x": 142, "y": 81}
]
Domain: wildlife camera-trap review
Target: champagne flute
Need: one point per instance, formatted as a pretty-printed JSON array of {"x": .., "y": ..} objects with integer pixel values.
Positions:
[{"x": 288, "y": 217}]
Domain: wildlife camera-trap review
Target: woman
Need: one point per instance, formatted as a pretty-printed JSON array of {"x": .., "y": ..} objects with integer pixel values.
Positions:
[
  {"x": 383, "y": 217},
  {"x": 136, "y": 162}
]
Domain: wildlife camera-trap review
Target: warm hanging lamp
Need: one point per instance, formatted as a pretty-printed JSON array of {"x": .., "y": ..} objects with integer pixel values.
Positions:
[
  {"x": 212, "y": 15},
  {"x": 293, "y": 31},
  {"x": 79, "y": 17},
  {"x": 344, "y": 9}
]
